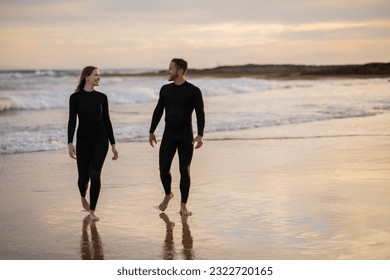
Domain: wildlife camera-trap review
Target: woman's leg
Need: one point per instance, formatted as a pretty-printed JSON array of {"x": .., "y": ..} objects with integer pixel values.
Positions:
[
  {"x": 83, "y": 154},
  {"x": 97, "y": 161}
]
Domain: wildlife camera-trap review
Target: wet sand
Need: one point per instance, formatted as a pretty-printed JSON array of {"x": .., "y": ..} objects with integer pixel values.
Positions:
[{"x": 307, "y": 191}]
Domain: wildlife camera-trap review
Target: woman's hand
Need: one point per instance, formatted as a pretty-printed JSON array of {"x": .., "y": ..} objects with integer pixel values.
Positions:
[{"x": 115, "y": 152}]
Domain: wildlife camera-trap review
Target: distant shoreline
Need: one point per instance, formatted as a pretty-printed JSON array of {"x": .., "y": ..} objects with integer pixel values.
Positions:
[
  {"x": 259, "y": 71},
  {"x": 286, "y": 71}
]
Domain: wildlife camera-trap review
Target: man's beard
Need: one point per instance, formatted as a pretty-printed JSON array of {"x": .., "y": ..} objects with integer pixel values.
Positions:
[{"x": 173, "y": 77}]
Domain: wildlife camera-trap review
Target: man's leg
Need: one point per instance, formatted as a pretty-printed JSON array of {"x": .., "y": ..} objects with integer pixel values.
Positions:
[
  {"x": 185, "y": 151},
  {"x": 166, "y": 154}
]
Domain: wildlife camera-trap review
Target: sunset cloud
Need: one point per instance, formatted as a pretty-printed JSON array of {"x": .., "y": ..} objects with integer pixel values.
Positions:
[{"x": 127, "y": 34}]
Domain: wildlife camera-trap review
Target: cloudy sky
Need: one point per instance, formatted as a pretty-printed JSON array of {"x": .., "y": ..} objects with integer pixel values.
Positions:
[{"x": 57, "y": 34}]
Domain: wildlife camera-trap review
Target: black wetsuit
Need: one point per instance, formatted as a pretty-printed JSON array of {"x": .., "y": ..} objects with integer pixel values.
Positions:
[
  {"x": 179, "y": 101},
  {"x": 93, "y": 132}
]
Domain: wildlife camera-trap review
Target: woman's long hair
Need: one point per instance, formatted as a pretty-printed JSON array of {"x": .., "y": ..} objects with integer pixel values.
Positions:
[{"x": 84, "y": 73}]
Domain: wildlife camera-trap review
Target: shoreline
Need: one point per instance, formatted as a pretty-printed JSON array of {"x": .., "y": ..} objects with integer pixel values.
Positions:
[
  {"x": 256, "y": 71},
  {"x": 283, "y": 71},
  {"x": 262, "y": 76}
]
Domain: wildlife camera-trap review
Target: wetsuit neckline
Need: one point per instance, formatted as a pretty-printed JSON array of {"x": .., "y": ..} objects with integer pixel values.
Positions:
[
  {"x": 88, "y": 91},
  {"x": 185, "y": 81}
]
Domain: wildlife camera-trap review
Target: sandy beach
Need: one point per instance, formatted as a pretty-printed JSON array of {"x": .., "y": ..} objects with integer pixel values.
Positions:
[{"x": 300, "y": 191}]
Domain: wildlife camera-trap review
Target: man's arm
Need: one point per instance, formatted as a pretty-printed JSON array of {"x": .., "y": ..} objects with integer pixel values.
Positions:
[
  {"x": 157, "y": 114},
  {"x": 200, "y": 119},
  {"x": 199, "y": 111}
]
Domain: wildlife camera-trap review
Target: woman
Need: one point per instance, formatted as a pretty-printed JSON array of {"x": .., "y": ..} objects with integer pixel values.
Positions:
[{"x": 93, "y": 133}]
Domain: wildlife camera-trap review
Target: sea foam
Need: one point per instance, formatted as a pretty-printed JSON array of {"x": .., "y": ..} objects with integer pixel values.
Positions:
[{"x": 34, "y": 104}]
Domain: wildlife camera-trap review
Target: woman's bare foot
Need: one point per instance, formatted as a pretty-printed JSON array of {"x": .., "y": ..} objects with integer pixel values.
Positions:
[
  {"x": 92, "y": 216},
  {"x": 184, "y": 211},
  {"x": 85, "y": 203},
  {"x": 164, "y": 204},
  {"x": 170, "y": 225}
]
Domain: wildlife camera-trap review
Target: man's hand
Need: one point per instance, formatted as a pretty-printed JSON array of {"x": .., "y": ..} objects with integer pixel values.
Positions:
[
  {"x": 72, "y": 151},
  {"x": 152, "y": 139},
  {"x": 199, "y": 141}
]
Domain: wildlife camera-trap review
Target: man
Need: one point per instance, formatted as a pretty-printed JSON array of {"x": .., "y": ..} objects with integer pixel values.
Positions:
[{"x": 179, "y": 99}]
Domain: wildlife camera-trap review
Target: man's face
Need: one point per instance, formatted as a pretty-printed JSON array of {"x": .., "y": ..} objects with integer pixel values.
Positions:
[{"x": 172, "y": 72}]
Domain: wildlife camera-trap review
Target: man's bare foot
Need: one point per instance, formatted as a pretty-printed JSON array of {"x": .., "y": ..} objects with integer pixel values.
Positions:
[
  {"x": 169, "y": 224},
  {"x": 184, "y": 211},
  {"x": 92, "y": 216},
  {"x": 164, "y": 204},
  {"x": 85, "y": 203},
  {"x": 184, "y": 219}
]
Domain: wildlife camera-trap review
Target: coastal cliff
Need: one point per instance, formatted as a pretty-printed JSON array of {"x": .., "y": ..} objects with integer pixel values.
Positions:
[{"x": 289, "y": 71}]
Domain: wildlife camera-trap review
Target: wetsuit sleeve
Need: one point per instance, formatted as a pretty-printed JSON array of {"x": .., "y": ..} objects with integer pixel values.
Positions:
[
  {"x": 72, "y": 118},
  {"x": 199, "y": 111},
  {"x": 157, "y": 114},
  {"x": 107, "y": 121}
]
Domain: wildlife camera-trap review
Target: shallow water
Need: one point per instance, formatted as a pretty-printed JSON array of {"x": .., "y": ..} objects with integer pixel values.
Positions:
[{"x": 34, "y": 106}]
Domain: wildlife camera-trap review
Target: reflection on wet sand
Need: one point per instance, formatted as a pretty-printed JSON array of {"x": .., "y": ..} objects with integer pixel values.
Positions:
[
  {"x": 169, "y": 251},
  {"x": 90, "y": 249}
]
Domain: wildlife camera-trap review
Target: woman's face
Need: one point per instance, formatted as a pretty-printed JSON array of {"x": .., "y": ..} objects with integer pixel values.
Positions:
[{"x": 94, "y": 78}]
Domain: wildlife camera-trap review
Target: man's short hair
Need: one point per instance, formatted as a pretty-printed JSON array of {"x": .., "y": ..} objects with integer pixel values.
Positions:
[{"x": 181, "y": 64}]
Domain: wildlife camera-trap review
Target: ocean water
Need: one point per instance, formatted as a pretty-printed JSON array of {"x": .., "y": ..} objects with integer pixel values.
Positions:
[{"x": 34, "y": 104}]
